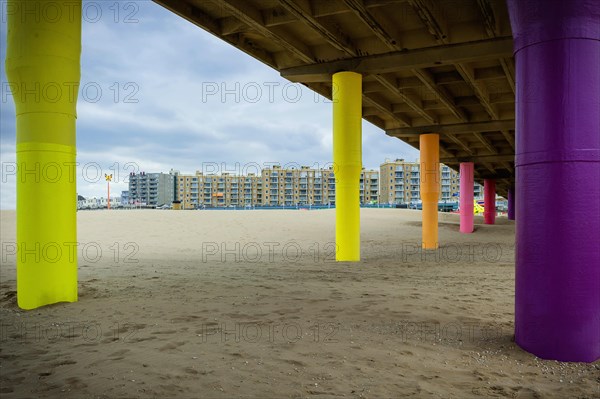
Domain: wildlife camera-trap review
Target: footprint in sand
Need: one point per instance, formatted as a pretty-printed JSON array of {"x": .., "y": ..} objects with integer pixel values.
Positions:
[
  {"x": 75, "y": 383},
  {"x": 296, "y": 363},
  {"x": 171, "y": 346},
  {"x": 118, "y": 355},
  {"x": 65, "y": 362}
]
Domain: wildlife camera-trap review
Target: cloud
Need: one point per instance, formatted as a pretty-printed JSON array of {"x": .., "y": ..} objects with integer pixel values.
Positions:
[{"x": 162, "y": 93}]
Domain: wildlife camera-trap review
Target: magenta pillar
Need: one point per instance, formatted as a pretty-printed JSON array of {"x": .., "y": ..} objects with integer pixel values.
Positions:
[
  {"x": 557, "y": 292},
  {"x": 466, "y": 197},
  {"x": 489, "y": 201},
  {"x": 511, "y": 203}
]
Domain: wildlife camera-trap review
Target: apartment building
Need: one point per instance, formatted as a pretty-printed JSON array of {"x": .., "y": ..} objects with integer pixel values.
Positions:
[
  {"x": 152, "y": 189},
  {"x": 252, "y": 190},
  {"x": 224, "y": 190},
  {"x": 369, "y": 186},
  {"x": 396, "y": 182},
  {"x": 450, "y": 182},
  {"x": 275, "y": 186},
  {"x": 290, "y": 187},
  {"x": 305, "y": 186},
  {"x": 238, "y": 191},
  {"x": 188, "y": 190},
  {"x": 400, "y": 183}
]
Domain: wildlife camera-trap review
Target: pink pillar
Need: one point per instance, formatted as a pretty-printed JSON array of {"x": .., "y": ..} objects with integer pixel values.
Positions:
[
  {"x": 489, "y": 201},
  {"x": 466, "y": 197}
]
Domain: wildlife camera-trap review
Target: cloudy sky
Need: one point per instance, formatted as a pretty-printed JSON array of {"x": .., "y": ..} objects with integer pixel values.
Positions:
[{"x": 158, "y": 93}]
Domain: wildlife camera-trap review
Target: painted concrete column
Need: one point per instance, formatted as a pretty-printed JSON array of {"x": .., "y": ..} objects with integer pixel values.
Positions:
[
  {"x": 42, "y": 66},
  {"x": 511, "y": 203},
  {"x": 347, "y": 159},
  {"x": 557, "y": 292},
  {"x": 489, "y": 201},
  {"x": 430, "y": 188},
  {"x": 466, "y": 197}
]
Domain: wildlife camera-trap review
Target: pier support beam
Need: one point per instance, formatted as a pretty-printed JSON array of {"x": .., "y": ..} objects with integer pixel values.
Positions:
[
  {"x": 557, "y": 302},
  {"x": 430, "y": 188},
  {"x": 466, "y": 197},
  {"x": 43, "y": 69},
  {"x": 489, "y": 201},
  {"x": 511, "y": 203},
  {"x": 347, "y": 159}
]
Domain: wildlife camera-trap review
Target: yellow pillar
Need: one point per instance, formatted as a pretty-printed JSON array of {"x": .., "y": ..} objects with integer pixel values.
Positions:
[
  {"x": 347, "y": 159},
  {"x": 42, "y": 66},
  {"x": 430, "y": 188}
]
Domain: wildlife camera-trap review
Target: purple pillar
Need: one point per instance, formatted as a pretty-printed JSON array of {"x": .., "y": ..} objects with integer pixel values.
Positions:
[
  {"x": 466, "y": 197},
  {"x": 557, "y": 293},
  {"x": 511, "y": 203},
  {"x": 489, "y": 201}
]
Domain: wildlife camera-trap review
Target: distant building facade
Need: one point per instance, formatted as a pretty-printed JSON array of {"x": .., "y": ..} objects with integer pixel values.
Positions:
[
  {"x": 151, "y": 189},
  {"x": 224, "y": 190},
  {"x": 396, "y": 182},
  {"x": 401, "y": 183},
  {"x": 98, "y": 203},
  {"x": 369, "y": 186},
  {"x": 304, "y": 186},
  {"x": 274, "y": 186},
  {"x": 125, "y": 198}
]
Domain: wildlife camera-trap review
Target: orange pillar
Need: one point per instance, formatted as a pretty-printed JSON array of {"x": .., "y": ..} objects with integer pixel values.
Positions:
[{"x": 430, "y": 188}]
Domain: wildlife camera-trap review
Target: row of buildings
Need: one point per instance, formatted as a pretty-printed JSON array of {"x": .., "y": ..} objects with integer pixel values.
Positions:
[
  {"x": 396, "y": 182},
  {"x": 101, "y": 203}
]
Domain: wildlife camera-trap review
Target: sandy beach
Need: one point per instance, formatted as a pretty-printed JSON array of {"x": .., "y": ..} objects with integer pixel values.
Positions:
[{"x": 224, "y": 304}]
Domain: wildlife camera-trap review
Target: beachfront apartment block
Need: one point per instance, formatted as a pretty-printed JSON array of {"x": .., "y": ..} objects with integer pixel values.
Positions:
[
  {"x": 396, "y": 182},
  {"x": 400, "y": 183},
  {"x": 369, "y": 186},
  {"x": 291, "y": 187},
  {"x": 223, "y": 190},
  {"x": 275, "y": 186},
  {"x": 236, "y": 190},
  {"x": 151, "y": 189},
  {"x": 310, "y": 186}
]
